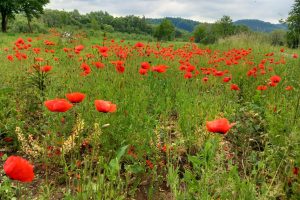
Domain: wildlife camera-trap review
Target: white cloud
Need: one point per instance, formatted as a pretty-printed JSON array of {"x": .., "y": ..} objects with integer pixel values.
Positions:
[{"x": 201, "y": 10}]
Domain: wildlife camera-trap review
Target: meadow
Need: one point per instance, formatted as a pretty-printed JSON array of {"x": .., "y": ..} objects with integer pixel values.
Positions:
[{"x": 143, "y": 124}]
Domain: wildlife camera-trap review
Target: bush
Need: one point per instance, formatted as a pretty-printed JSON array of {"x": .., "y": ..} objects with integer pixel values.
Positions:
[
  {"x": 277, "y": 37},
  {"x": 20, "y": 25}
]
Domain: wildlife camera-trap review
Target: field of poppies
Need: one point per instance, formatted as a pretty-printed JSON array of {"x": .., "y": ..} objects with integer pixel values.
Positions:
[{"x": 107, "y": 118}]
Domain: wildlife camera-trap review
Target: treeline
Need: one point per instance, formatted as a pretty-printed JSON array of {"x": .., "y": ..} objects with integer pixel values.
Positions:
[
  {"x": 161, "y": 29},
  {"x": 184, "y": 24},
  {"x": 96, "y": 20}
]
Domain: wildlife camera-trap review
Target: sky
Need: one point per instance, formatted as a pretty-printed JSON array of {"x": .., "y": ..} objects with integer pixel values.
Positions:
[{"x": 199, "y": 10}]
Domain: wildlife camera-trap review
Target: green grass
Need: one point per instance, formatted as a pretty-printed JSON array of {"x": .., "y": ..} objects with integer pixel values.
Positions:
[{"x": 111, "y": 152}]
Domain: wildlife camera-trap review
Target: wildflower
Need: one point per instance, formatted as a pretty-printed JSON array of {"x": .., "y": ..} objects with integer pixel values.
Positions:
[
  {"x": 150, "y": 164},
  {"x": 105, "y": 106},
  {"x": 79, "y": 48},
  {"x": 219, "y": 126},
  {"x": 139, "y": 45},
  {"x": 275, "y": 79},
  {"x": 46, "y": 68},
  {"x": 188, "y": 75},
  {"x": 143, "y": 71},
  {"x": 98, "y": 65},
  {"x": 10, "y": 57},
  {"x": 86, "y": 69},
  {"x": 58, "y": 105},
  {"x": 288, "y": 88},
  {"x": 18, "y": 168},
  {"x": 234, "y": 87},
  {"x": 160, "y": 68},
  {"x": 261, "y": 87},
  {"x": 145, "y": 65},
  {"x": 205, "y": 79},
  {"x": 226, "y": 79},
  {"x": 75, "y": 97}
]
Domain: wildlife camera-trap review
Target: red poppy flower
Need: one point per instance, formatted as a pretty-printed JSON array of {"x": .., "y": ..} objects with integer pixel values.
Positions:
[
  {"x": 18, "y": 168},
  {"x": 234, "y": 87},
  {"x": 226, "y": 79},
  {"x": 160, "y": 68},
  {"x": 188, "y": 75},
  {"x": 272, "y": 84},
  {"x": 79, "y": 48},
  {"x": 105, "y": 106},
  {"x": 39, "y": 59},
  {"x": 288, "y": 88},
  {"x": 46, "y": 68},
  {"x": 75, "y": 97},
  {"x": 120, "y": 68},
  {"x": 295, "y": 55},
  {"x": 139, "y": 45},
  {"x": 98, "y": 65},
  {"x": 58, "y": 105},
  {"x": 145, "y": 65},
  {"x": 150, "y": 164},
  {"x": 143, "y": 71},
  {"x": 205, "y": 79},
  {"x": 10, "y": 57},
  {"x": 275, "y": 79},
  {"x": 261, "y": 87},
  {"x": 219, "y": 126},
  {"x": 86, "y": 69}
]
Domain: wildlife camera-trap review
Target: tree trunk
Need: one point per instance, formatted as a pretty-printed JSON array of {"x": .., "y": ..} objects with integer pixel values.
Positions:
[
  {"x": 29, "y": 25},
  {"x": 4, "y": 22}
]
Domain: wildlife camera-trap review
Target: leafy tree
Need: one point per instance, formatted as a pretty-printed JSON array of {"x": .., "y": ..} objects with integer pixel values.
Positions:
[
  {"x": 224, "y": 27},
  {"x": 204, "y": 33},
  {"x": 293, "y": 22},
  {"x": 7, "y": 9},
  {"x": 32, "y": 8},
  {"x": 165, "y": 31}
]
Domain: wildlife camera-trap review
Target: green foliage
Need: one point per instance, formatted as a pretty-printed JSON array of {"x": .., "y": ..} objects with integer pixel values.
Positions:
[
  {"x": 96, "y": 20},
  {"x": 278, "y": 37},
  {"x": 293, "y": 22},
  {"x": 7, "y": 190},
  {"x": 210, "y": 33},
  {"x": 204, "y": 34},
  {"x": 165, "y": 31},
  {"x": 31, "y": 8},
  {"x": 20, "y": 25},
  {"x": 224, "y": 27}
]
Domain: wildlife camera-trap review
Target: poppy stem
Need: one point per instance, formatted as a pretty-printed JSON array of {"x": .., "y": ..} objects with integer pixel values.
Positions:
[{"x": 296, "y": 110}]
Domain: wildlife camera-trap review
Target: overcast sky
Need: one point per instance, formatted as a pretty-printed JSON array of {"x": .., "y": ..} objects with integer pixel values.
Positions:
[{"x": 200, "y": 10}]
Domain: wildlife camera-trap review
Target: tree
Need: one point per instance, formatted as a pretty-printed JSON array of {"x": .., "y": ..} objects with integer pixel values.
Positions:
[
  {"x": 7, "y": 9},
  {"x": 165, "y": 31},
  {"x": 293, "y": 22},
  {"x": 32, "y": 8},
  {"x": 205, "y": 34},
  {"x": 224, "y": 27}
]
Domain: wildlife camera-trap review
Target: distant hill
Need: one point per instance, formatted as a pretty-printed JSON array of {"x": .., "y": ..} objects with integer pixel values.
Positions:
[
  {"x": 180, "y": 23},
  {"x": 260, "y": 26},
  {"x": 189, "y": 25}
]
